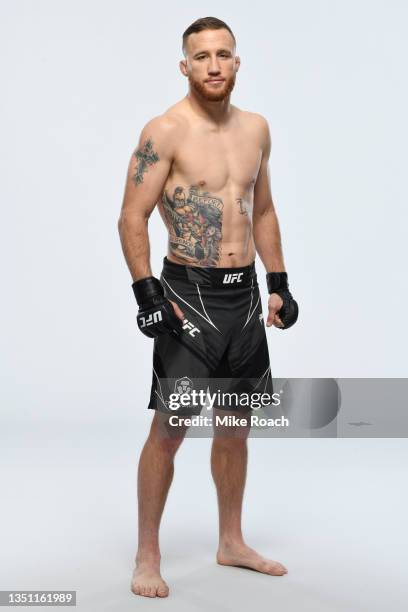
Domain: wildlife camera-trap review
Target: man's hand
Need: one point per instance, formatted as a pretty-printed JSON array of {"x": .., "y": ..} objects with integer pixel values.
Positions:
[
  {"x": 283, "y": 309},
  {"x": 179, "y": 313},
  {"x": 157, "y": 315},
  {"x": 275, "y": 303}
]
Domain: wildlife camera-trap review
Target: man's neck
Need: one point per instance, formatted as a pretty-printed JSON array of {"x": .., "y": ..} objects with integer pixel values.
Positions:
[{"x": 216, "y": 112}]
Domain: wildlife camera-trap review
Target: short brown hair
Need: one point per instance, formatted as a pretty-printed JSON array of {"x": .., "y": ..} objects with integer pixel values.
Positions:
[{"x": 205, "y": 23}]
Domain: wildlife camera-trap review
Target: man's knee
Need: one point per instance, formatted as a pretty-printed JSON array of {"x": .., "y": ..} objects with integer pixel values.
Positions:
[
  {"x": 231, "y": 436},
  {"x": 164, "y": 437},
  {"x": 229, "y": 443}
]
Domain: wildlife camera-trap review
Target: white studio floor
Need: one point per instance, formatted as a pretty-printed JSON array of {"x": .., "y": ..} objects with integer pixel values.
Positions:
[{"x": 332, "y": 510}]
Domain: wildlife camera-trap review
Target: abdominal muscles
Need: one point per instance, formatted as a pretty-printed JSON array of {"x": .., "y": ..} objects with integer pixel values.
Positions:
[{"x": 206, "y": 231}]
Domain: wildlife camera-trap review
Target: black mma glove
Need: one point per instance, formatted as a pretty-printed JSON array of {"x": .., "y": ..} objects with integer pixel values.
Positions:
[
  {"x": 156, "y": 314},
  {"x": 278, "y": 283}
]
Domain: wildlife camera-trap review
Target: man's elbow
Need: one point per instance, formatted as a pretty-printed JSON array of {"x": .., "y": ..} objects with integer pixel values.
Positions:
[
  {"x": 121, "y": 223},
  {"x": 131, "y": 220},
  {"x": 260, "y": 214}
]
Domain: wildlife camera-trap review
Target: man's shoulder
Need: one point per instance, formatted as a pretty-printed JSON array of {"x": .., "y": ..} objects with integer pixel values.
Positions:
[
  {"x": 165, "y": 131},
  {"x": 253, "y": 120},
  {"x": 168, "y": 122},
  {"x": 257, "y": 126}
]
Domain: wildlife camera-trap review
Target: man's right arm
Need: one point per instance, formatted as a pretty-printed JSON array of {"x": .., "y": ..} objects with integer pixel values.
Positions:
[{"x": 148, "y": 170}]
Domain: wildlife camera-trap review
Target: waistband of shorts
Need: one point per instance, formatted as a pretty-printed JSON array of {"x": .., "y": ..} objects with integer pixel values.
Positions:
[{"x": 216, "y": 277}]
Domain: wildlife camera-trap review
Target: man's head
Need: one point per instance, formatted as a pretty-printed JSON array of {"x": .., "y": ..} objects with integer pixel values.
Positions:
[{"x": 210, "y": 62}]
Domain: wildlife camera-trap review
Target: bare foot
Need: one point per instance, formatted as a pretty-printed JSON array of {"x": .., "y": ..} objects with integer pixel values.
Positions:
[
  {"x": 242, "y": 555},
  {"x": 147, "y": 581}
]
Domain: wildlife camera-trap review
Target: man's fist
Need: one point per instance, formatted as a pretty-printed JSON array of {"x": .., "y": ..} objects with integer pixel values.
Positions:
[
  {"x": 283, "y": 309},
  {"x": 156, "y": 314}
]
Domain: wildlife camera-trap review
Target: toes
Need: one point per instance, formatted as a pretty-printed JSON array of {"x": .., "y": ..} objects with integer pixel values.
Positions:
[
  {"x": 163, "y": 591},
  {"x": 273, "y": 568},
  {"x": 160, "y": 589},
  {"x": 277, "y": 569},
  {"x": 151, "y": 592}
]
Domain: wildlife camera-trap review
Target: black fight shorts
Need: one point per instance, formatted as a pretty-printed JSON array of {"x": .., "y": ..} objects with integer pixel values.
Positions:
[{"x": 222, "y": 348}]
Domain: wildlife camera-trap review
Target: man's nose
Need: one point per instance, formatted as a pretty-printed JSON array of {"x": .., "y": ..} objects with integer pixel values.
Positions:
[{"x": 214, "y": 67}]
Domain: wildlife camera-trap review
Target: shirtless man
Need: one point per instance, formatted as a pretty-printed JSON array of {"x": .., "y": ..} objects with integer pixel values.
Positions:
[{"x": 204, "y": 162}]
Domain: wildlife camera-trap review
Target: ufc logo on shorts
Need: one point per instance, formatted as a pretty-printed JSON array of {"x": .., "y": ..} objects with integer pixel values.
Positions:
[
  {"x": 232, "y": 278},
  {"x": 153, "y": 318},
  {"x": 192, "y": 330}
]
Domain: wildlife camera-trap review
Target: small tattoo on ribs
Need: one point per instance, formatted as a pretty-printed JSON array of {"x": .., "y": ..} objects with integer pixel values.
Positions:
[{"x": 242, "y": 210}]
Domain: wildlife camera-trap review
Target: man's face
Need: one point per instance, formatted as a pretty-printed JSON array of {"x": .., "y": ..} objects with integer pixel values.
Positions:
[{"x": 211, "y": 64}]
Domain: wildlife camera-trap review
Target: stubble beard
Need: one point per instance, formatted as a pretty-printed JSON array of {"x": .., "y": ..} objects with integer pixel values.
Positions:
[{"x": 212, "y": 96}]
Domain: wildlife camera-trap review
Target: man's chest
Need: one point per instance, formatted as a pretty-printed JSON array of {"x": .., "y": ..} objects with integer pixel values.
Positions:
[{"x": 218, "y": 160}]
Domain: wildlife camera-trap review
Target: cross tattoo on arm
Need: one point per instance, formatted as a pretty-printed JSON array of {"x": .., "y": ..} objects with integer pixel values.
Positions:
[{"x": 145, "y": 157}]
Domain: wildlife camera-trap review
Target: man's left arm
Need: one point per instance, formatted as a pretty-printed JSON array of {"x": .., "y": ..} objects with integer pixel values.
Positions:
[{"x": 282, "y": 308}]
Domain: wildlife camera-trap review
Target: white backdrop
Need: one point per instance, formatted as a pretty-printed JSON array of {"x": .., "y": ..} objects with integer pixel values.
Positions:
[{"x": 79, "y": 81}]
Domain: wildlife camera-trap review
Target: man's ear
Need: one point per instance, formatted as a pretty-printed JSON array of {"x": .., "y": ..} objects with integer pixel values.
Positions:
[
  {"x": 183, "y": 67},
  {"x": 237, "y": 62}
]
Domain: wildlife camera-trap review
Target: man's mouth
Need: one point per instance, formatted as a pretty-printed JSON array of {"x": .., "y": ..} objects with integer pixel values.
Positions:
[{"x": 215, "y": 81}]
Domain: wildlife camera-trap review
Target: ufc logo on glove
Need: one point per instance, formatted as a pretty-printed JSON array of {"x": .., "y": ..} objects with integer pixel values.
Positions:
[{"x": 153, "y": 318}]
